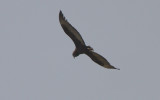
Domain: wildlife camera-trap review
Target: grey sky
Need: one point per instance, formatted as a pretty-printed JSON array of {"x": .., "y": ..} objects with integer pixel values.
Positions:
[{"x": 36, "y": 60}]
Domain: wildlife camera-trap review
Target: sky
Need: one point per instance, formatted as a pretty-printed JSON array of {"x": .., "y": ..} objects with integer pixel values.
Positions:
[{"x": 36, "y": 61}]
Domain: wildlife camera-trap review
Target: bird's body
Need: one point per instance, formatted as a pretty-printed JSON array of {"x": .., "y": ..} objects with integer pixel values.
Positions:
[{"x": 80, "y": 45}]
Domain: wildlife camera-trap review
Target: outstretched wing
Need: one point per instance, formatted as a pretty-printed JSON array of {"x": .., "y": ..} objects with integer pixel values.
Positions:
[
  {"x": 70, "y": 31},
  {"x": 99, "y": 59}
]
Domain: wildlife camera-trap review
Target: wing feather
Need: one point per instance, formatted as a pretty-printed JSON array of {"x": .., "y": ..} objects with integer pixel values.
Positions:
[
  {"x": 97, "y": 58},
  {"x": 71, "y": 31}
]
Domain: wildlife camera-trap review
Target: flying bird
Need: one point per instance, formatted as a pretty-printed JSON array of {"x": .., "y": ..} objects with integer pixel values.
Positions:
[{"x": 80, "y": 45}]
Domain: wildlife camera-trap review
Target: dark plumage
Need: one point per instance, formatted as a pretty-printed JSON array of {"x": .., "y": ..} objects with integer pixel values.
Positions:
[{"x": 80, "y": 45}]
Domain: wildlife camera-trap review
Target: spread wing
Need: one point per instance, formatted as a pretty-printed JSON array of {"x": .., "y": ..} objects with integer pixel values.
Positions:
[
  {"x": 99, "y": 59},
  {"x": 70, "y": 31}
]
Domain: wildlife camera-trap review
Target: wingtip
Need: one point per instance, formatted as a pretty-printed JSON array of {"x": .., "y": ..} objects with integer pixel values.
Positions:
[
  {"x": 60, "y": 12},
  {"x": 61, "y": 17},
  {"x": 110, "y": 67},
  {"x": 117, "y": 68}
]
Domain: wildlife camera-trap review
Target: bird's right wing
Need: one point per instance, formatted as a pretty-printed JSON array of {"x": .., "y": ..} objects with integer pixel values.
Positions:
[
  {"x": 70, "y": 31},
  {"x": 97, "y": 58}
]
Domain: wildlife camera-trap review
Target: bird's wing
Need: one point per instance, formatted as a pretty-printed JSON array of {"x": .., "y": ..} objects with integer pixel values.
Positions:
[
  {"x": 99, "y": 59},
  {"x": 70, "y": 31}
]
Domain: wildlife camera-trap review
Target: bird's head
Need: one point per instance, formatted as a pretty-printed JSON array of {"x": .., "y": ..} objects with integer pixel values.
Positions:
[{"x": 75, "y": 53}]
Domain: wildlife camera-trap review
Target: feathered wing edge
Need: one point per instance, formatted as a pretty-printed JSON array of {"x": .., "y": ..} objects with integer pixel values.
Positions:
[
  {"x": 70, "y": 30},
  {"x": 97, "y": 58}
]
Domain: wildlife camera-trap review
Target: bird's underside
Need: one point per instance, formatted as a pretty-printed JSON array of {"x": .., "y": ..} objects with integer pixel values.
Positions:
[{"x": 80, "y": 45}]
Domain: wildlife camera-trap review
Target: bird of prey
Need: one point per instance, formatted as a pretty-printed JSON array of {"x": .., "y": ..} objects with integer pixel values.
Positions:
[{"x": 80, "y": 45}]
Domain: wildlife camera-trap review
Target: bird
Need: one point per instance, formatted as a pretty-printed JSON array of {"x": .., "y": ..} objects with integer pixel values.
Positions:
[{"x": 80, "y": 46}]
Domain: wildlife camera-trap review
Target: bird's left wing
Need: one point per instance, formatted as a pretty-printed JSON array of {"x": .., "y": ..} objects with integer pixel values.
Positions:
[
  {"x": 70, "y": 31},
  {"x": 99, "y": 59}
]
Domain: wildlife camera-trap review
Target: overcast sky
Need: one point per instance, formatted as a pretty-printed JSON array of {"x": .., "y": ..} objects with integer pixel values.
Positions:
[{"x": 36, "y": 60}]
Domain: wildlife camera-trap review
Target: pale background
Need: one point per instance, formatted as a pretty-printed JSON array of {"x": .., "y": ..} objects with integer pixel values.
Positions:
[{"x": 36, "y": 60}]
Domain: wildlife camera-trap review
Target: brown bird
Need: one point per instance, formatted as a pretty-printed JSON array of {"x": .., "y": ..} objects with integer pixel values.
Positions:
[{"x": 80, "y": 45}]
